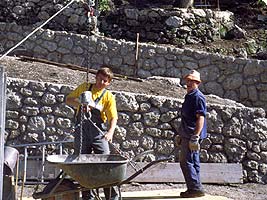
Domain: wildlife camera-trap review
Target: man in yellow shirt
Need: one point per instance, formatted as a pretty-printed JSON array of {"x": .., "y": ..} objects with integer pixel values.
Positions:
[{"x": 102, "y": 109}]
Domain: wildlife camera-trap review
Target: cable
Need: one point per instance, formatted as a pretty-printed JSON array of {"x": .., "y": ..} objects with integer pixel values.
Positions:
[
  {"x": 90, "y": 15},
  {"x": 34, "y": 31},
  {"x": 88, "y": 53}
]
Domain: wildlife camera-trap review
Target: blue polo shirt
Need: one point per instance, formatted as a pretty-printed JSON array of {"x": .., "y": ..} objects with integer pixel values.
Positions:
[{"x": 194, "y": 103}]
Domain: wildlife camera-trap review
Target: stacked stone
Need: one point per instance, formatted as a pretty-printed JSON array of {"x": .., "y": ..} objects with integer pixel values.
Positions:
[
  {"x": 242, "y": 80},
  {"x": 34, "y": 12},
  {"x": 171, "y": 26},
  {"x": 174, "y": 26},
  {"x": 36, "y": 112}
]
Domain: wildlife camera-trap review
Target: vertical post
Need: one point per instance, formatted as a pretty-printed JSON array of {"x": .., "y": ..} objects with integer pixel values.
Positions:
[
  {"x": 43, "y": 163},
  {"x": 60, "y": 148},
  {"x": 218, "y": 4},
  {"x": 136, "y": 54},
  {"x": 24, "y": 171},
  {"x": 2, "y": 124}
]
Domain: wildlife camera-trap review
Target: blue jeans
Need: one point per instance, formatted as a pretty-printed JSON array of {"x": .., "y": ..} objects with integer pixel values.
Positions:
[{"x": 190, "y": 165}]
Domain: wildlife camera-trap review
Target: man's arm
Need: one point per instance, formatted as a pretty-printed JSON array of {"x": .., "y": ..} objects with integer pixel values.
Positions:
[
  {"x": 73, "y": 101},
  {"x": 199, "y": 124},
  {"x": 112, "y": 126},
  {"x": 194, "y": 144}
]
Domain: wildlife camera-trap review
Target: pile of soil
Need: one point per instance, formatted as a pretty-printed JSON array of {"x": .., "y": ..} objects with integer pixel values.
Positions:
[{"x": 38, "y": 71}]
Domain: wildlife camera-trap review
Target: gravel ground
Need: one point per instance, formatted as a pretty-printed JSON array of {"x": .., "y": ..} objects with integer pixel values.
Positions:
[{"x": 248, "y": 191}]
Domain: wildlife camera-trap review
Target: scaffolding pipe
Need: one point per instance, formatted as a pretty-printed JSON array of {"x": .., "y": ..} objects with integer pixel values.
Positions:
[{"x": 2, "y": 124}]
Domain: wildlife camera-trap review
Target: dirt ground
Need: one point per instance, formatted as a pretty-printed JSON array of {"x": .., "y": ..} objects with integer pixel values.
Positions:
[
  {"x": 38, "y": 71},
  {"x": 248, "y": 191}
]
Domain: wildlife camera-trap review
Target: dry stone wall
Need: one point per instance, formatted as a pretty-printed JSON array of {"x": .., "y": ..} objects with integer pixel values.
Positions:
[
  {"x": 239, "y": 79},
  {"x": 175, "y": 26},
  {"x": 36, "y": 112},
  {"x": 169, "y": 26},
  {"x": 35, "y": 12}
]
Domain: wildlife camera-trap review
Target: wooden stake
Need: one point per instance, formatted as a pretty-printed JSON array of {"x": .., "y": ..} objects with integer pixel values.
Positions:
[
  {"x": 136, "y": 54},
  {"x": 218, "y": 4}
]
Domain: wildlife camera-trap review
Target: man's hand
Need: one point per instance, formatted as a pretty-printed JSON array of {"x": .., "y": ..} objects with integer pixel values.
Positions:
[
  {"x": 194, "y": 144},
  {"x": 177, "y": 140},
  {"x": 108, "y": 136}
]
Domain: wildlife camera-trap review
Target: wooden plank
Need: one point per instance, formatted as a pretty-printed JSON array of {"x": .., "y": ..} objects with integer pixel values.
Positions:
[
  {"x": 158, "y": 173},
  {"x": 210, "y": 173}
]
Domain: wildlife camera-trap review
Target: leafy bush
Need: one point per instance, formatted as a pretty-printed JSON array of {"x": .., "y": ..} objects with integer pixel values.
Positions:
[{"x": 104, "y": 5}]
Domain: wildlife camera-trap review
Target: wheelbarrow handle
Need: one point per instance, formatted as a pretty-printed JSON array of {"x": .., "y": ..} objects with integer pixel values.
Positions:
[{"x": 144, "y": 168}]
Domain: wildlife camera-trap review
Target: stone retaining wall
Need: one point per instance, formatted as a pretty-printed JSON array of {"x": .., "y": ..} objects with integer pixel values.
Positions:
[
  {"x": 174, "y": 26},
  {"x": 168, "y": 26},
  {"x": 242, "y": 80},
  {"x": 35, "y": 12},
  {"x": 36, "y": 112}
]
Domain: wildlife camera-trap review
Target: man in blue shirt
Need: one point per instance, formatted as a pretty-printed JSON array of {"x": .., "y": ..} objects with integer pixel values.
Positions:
[{"x": 192, "y": 131}]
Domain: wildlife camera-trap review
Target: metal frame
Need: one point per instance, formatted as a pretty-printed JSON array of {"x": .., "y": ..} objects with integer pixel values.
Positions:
[
  {"x": 2, "y": 123},
  {"x": 59, "y": 144}
]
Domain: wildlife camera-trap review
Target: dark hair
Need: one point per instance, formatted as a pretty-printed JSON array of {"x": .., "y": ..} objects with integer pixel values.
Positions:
[{"x": 104, "y": 70}]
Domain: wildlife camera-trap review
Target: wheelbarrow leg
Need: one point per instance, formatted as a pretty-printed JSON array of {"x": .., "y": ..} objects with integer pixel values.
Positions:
[
  {"x": 96, "y": 194},
  {"x": 119, "y": 190}
]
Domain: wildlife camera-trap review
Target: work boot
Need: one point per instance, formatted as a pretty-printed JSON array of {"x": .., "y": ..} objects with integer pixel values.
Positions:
[{"x": 192, "y": 194}]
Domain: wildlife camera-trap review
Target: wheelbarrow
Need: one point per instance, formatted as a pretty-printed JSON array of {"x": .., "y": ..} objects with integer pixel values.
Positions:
[{"x": 94, "y": 171}]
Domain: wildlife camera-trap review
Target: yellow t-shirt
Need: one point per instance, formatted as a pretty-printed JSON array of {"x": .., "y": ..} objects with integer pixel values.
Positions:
[{"x": 106, "y": 105}]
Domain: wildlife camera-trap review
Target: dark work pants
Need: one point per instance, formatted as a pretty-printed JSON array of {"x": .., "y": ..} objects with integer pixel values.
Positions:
[
  {"x": 190, "y": 165},
  {"x": 92, "y": 142}
]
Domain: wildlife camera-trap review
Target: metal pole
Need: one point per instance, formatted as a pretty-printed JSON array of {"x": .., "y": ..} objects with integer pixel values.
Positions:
[
  {"x": 24, "y": 172},
  {"x": 2, "y": 124},
  {"x": 43, "y": 163},
  {"x": 60, "y": 148}
]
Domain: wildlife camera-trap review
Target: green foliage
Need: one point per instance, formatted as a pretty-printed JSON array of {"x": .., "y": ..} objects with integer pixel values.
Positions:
[
  {"x": 261, "y": 3},
  {"x": 223, "y": 31},
  {"x": 104, "y": 5}
]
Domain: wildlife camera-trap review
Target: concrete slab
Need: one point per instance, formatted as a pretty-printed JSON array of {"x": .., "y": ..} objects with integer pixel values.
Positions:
[{"x": 169, "y": 194}]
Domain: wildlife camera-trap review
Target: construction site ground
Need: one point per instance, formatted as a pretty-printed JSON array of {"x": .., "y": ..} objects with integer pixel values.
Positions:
[{"x": 38, "y": 71}]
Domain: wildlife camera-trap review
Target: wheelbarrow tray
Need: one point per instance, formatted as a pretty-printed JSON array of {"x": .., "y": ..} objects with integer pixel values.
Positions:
[{"x": 92, "y": 170}]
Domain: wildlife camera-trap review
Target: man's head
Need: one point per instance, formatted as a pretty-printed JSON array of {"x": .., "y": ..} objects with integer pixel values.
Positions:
[
  {"x": 192, "y": 79},
  {"x": 193, "y": 75},
  {"x": 105, "y": 71},
  {"x": 103, "y": 77}
]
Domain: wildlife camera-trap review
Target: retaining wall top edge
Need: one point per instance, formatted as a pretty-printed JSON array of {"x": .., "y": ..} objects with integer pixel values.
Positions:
[
  {"x": 209, "y": 104},
  {"x": 153, "y": 45},
  {"x": 35, "y": 81}
]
